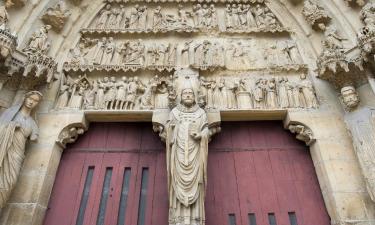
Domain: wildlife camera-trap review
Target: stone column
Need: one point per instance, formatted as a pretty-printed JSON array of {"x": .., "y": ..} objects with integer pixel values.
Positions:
[{"x": 337, "y": 168}]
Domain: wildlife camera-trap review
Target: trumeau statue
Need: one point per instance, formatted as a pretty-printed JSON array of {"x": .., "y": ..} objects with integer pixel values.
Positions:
[
  {"x": 16, "y": 126},
  {"x": 187, "y": 137}
]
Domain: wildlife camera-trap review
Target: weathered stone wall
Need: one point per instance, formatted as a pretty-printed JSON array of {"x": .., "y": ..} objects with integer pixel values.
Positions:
[{"x": 331, "y": 75}]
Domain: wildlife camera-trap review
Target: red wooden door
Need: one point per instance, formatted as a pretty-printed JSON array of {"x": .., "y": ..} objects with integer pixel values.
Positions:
[{"x": 115, "y": 174}]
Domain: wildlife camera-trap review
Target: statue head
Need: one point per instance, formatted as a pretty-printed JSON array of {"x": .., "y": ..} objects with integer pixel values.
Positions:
[
  {"x": 349, "y": 96},
  {"x": 32, "y": 99},
  {"x": 187, "y": 97}
]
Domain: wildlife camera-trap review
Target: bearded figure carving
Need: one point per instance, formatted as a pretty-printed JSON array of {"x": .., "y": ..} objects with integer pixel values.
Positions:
[{"x": 187, "y": 147}]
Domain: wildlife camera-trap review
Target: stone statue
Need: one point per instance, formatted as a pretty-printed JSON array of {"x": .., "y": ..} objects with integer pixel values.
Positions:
[
  {"x": 187, "y": 137},
  {"x": 39, "y": 41},
  {"x": 243, "y": 96},
  {"x": 103, "y": 18},
  {"x": 271, "y": 94},
  {"x": 122, "y": 87},
  {"x": 309, "y": 94},
  {"x": 16, "y": 126}
]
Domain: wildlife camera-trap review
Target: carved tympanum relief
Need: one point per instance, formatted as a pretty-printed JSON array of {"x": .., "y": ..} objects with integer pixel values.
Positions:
[
  {"x": 238, "y": 18},
  {"x": 16, "y": 126},
  {"x": 222, "y": 92},
  {"x": 109, "y": 54}
]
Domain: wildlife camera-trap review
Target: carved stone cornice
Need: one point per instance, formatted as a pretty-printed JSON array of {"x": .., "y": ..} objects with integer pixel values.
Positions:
[
  {"x": 303, "y": 133},
  {"x": 70, "y": 134}
]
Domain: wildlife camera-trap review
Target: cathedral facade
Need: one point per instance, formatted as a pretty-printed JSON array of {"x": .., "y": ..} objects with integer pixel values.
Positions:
[{"x": 187, "y": 112}]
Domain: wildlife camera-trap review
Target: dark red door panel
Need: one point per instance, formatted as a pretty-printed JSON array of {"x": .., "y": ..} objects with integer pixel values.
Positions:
[{"x": 116, "y": 175}]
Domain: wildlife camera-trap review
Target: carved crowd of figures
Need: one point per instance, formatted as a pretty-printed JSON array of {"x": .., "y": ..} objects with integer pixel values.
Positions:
[
  {"x": 129, "y": 93},
  {"x": 109, "y": 93},
  {"x": 198, "y": 17},
  {"x": 245, "y": 16},
  {"x": 140, "y": 18},
  {"x": 200, "y": 53},
  {"x": 262, "y": 93}
]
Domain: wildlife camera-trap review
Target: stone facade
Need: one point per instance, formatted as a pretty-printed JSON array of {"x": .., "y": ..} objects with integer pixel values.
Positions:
[{"x": 306, "y": 62}]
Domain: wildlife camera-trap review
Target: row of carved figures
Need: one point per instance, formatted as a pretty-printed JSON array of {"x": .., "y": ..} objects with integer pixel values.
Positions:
[
  {"x": 129, "y": 93},
  {"x": 239, "y": 17},
  {"x": 204, "y": 53}
]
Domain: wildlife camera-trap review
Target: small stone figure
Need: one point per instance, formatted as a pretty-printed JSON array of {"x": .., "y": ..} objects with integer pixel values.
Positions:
[
  {"x": 39, "y": 41},
  {"x": 101, "y": 23},
  {"x": 122, "y": 87}
]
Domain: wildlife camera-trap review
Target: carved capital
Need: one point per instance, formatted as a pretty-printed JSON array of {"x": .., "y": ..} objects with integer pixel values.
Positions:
[
  {"x": 70, "y": 134},
  {"x": 303, "y": 133}
]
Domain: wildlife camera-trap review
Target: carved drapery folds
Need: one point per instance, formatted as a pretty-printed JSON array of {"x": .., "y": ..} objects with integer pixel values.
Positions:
[
  {"x": 303, "y": 133},
  {"x": 56, "y": 16},
  {"x": 342, "y": 69},
  {"x": 70, "y": 134},
  {"x": 315, "y": 14}
]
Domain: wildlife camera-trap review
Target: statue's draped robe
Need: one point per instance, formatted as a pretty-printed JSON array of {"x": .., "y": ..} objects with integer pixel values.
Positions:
[
  {"x": 15, "y": 129},
  {"x": 187, "y": 165}
]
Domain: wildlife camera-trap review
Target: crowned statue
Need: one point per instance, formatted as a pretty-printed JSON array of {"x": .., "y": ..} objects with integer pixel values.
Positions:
[{"x": 187, "y": 137}]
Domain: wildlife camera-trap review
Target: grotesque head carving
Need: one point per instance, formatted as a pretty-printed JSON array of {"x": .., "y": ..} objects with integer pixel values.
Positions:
[{"x": 349, "y": 97}]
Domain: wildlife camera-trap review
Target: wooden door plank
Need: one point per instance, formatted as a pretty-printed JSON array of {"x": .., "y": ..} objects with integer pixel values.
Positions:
[{"x": 160, "y": 200}]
